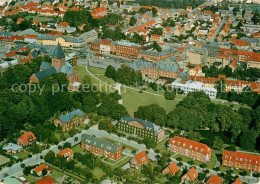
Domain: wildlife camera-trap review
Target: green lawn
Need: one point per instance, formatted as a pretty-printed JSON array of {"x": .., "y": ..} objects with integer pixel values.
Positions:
[
  {"x": 38, "y": 17},
  {"x": 31, "y": 178},
  {"x": 3, "y": 160},
  {"x": 77, "y": 149},
  {"x": 23, "y": 155},
  {"x": 98, "y": 173}
]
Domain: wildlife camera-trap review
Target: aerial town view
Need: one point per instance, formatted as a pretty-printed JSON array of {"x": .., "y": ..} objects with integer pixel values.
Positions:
[{"x": 129, "y": 91}]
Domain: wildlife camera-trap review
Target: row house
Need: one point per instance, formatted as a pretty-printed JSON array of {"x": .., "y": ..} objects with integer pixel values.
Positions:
[
  {"x": 99, "y": 12},
  {"x": 240, "y": 160},
  {"x": 101, "y": 147},
  {"x": 70, "y": 120},
  {"x": 189, "y": 148},
  {"x": 141, "y": 128},
  {"x": 67, "y": 153},
  {"x": 139, "y": 160},
  {"x": 154, "y": 71},
  {"x": 156, "y": 56}
]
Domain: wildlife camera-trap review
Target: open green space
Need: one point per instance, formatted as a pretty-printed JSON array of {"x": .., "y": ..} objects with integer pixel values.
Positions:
[
  {"x": 3, "y": 160},
  {"x": 22, "y": 155},
  {"x": 98, "y": 173},
  {"x": 77, "y": 149},
  {"x": 38, "y": 17}
]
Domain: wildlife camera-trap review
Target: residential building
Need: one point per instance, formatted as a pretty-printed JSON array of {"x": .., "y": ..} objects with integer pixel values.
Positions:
[
  {"x": 59, "y": 65},
  {"x": 239, "y": 160},
  {"x": 70, "y": 120},
  {"x": 156, "y": 38},
  {"x": 191, "y": 175},
  {"x": 12, "y": 148},
  {"x": 66, "y": 153},
  {"x": 101, "y": 147},
  {"x": 46, "y": 180},
  {"x": 189, "y": 148},
  {"x": 171, "y": 169},
  {"x": 139, "y": 160},
  {"x": 38, "y": 170},
  {"x": 99, "y": 12},
  {"x": 237, "y": 181},
  {"x": 11, "y": 180},
  {"x": 214, "y": 179},
  {"x": 141, "y": 128},
  {"x": 191, "y": 86},
  {"x": 26, "y": 139},
  {"x": 155, "y": 56},
  {"x": 126, "y": 49}
]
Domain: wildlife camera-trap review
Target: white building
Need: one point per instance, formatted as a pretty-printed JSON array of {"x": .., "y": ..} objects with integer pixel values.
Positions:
[{"x": 191, "y": 86}]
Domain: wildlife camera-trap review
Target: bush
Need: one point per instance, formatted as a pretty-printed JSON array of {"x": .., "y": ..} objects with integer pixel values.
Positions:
[
  {"x": 179, "y": 159},
  {"x": 191, "y": 162}
]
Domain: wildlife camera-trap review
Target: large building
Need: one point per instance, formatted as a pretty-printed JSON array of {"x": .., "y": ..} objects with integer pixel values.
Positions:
[
  {"x": 155, "y": 56},
  {"x": 126, "y": 49},
  {"x": 141, "y": 128},
  {"x": 99, "y": 12},
  {"x": 240, "y": 160},
  {"x": 67, "y": 121},
  {"x": 189, "y": 148},
  {"x": 58, "y": 65},
  {"x": 101, "y": 147}
]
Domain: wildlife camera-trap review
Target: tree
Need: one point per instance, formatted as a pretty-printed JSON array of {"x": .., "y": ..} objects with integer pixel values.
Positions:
[
  {"x": 49, "y": 157},
  {"x": 132, "y": 21},
  {"x": 44, "y": 172},
  {"x": 154, "y": 11},
  {"x": 157, "y": 47},
  {"x": 218, "y": 143},
  {"x": 247, "y": 140},
  {"x": 110, "y": 72},
  {"x": 169, "y": 94}
]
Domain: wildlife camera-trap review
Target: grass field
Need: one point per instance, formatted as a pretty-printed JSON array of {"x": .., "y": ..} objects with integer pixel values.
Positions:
[
  {"x": 98, "y": 173},
  {"x": 23, "y": 155},
  {"x": 38, "y": 17},
  {"x": 77, "y": 149},
  {"x": 3, "y": 160}
]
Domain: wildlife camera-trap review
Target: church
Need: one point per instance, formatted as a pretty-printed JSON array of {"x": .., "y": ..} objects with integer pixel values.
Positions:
[{"x": 58, "y": 65}]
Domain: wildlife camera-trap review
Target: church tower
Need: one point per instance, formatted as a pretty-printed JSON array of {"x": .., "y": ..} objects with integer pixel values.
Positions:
[{"x": 58, "y": 57}]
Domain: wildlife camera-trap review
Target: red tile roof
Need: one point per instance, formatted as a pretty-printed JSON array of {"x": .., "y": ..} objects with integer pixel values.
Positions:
[
  {"x": 25, "y": 137},
  {"x": 66, "y": 152},
  {"x": 242, "y": 158},
  {"x": 208, "y": 12},
  {"x": 155, "y": 36},
  {"x": 46, "y": 180},
  {"x": 19, "y": 20},
  {"x": 10, "y": 54},
  {"x": 239, "y": 42},
  {"x": 233, "y": 64},
  {"x": 31, "y": 36},
  {"x": 191, "y": 145},
  {"x": 141, "y": 157},
  {"x": 193, "y": 174},
  {"x": 40, "y": 168},
  {"x": 237, "y": 181},
  {"x": 63, "y": 24},
  {"x": 214, "y": 179},
  {"x": 106, "y": 42},
  {"x": 173, "y": 168}
]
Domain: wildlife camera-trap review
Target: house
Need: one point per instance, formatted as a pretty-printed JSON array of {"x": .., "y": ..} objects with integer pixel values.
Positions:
[
  {"x": 38, "y": 170},
  {"x": 99, "y": 12},
  {"x": 191, "y": 175},
  {"x": 26, "y": 139},
  {"x": 59, "y": 65},
  {"x": 139, "y": 160},
  {"x": 66, "y": 153},
  {"x": 11, "y": 180},
  {"x": 46, "y": 180},
  {"x": 156, "y": 38},
  {"x": 30, "y": 38},
  {"x": 62, "y": 26},
  {"x": 214, "y": 179},
  {"x": 195, "y": 71},
  {"x": 171, "y": 169},
  {"x": 101, "y": 147},
  {"x": 67, "y": 121},
  {"x": 12, "y": 148},
  {"x": 240, "y": 160},
  {"x": 189, "y": 148},
  {"x": 20, "y": 20},
  {"x": 237, "y": 181},
  {"x": 141, "y": 128},
  {"x": 233, "y": 65}
]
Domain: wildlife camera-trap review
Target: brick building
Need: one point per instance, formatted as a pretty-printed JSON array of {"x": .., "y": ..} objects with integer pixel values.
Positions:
[
  {"x": 126, "y": 49},
  {"x": 26, "y": 139},
  {"x": 139, "y": 160},
  {"x": 101, "y": 147},
  {"x": 214, "y": 179},
  {"x": 171, "y": 169},
  {"x": 141, "y": 128},
  {"x": 191, "y": 175},
  {"x": 156, "y": 56},
  {"x": 156, "y": 38},
  {"x": 240, "y": 160},
  {"x": 189, "y": 148},
  {"x": 66, "y": 153},
  {"x": 67, "y": 121},
  {"x": 99, "y": 12}
]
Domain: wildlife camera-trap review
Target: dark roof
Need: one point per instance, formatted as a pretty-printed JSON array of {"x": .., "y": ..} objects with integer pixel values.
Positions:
[
  {"x": 45, "y": 73},
  {"x": 58, "y": 52},
  {"x": 147, "y": 124},
  {"x": 45, "y": 65},
  {"x": 67, "y": 117},
  {"x": 99, "y": 143}
]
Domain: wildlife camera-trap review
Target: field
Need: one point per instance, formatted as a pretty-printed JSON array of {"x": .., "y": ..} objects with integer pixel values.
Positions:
[
  {"x": 23, "y": 155},
  {"x": 38, "y": 17},
  {"x": 3, "y": 160}
]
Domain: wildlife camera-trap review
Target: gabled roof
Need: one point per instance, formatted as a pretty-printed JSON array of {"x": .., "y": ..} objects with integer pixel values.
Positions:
[
  {"x": 242, "y": 158},
  {"x": 173, "y": 167},
  {"x": 191, "y": 145},
  {"x": 66, "y": 152},
  {"x": 68, "y": 117},
  {"x": 40, "y": 168},
  {"x": 193, "y": 174},
  {"x": 141, "y": 157},
  {"x": 46, "y": 73},
  {"x": 12, "y": 146},
  {"x": 214, "y": 179},
  {"x": 46, "y": 180},
  {"x": 99, "y": 143},
  {"x": 58, "y": 52},
  {"x": 45, "y": 65},
  {"x": 237, "y": 181},
  {"x": 25, "y": 137}
]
